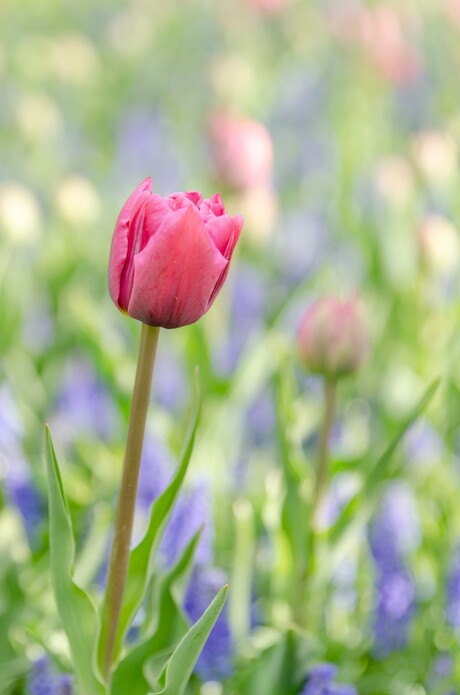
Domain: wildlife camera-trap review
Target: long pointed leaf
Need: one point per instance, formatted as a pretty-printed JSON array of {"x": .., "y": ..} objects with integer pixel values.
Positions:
[
  {"x": 180, "y": 666},
  {"x": 76, "y": 611},
  {"x": 169, "y": 627}
]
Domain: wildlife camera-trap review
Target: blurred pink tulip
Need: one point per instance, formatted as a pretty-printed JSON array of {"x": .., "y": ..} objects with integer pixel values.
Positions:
[
  {"x": 333, "y": 338},
  {"x": 170, "y": 256},
  {"x": 382, "y": 34},
  {"x": 268, "y": 7},
  {"x": 383, "y": 37},
  {"x": 452, "y": 10},
  {"x": 243, "y": 152}
]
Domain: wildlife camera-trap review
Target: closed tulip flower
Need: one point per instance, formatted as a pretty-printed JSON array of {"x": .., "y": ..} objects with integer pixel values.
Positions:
[
  {"x": 333, "y": 338},
  {"x": 170, "y": 256}
]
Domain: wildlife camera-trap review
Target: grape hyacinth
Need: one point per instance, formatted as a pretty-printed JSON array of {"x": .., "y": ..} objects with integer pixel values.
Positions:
[
  {"x": 11, "y": 428},
  {"x": 20, "y": 489},
  {"x": 215, "y": 661},
  {"x": 43, "y": 680},
  {"x": 394, "y": 533},
  {"x": 453, "y": 592},
  {"x": 23, "y": 494},
  {"x": 321, "y": 681},
  {"x": 248, "y": 306},
  {"x": 191, "y": 512}
]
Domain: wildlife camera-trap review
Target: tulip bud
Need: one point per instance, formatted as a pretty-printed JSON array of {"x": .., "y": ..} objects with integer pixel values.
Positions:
[
  {"x": 170, "y": 256},
  {"x": 333, "y": 338},
  {"x": 243, "y": 152}
]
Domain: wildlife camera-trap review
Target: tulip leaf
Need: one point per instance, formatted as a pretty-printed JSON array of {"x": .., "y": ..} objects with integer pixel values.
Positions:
[
  {"x": 170, "y": 625},
  {"x": 359, "y": 508},
  {"x": 76, "y": 610},
  {"x": 177, "y": 671},
  {"x": 142, "y": 557}
]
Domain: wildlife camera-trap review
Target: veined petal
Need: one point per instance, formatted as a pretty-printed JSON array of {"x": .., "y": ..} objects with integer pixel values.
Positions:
[
  {"x": 176, "y": 273},
  {"x": 137, "y": 238}
]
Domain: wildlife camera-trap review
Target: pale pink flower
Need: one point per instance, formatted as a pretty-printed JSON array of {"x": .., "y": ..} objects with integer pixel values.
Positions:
[
  {"x": 333, "y": 339},
  {"x": 243, "y": 152}
]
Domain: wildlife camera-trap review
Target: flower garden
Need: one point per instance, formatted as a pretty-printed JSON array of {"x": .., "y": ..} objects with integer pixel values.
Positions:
[{"x": 229, "y": 351}]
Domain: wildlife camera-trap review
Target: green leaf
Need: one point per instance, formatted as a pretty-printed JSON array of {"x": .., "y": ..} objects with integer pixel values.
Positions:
[
  {"x": 359, "y": 508},
  {"x": 279, "y": 665},
  {"x": 179, "y": 667},
  {"x": 142, "y": 557},
  {"x": 76, "y": 610},
  {"x": 170, "y": 625}
]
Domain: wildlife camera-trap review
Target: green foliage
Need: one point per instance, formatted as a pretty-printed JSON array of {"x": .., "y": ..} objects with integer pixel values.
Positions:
[
  {"x": 175, "y": 675},
  {"x": 167, "y": 625},
  {"x": 76, "y": 610}
]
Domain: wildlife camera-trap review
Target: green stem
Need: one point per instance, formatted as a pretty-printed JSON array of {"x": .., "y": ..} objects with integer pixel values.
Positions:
[
  {"x": 119, "y": 556},
  {"x": 323, "y": 451},
  {"x": 303, "y": 604}
]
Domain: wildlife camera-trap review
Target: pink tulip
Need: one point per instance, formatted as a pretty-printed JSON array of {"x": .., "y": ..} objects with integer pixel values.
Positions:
[
  {"x": 333, "y": 338},
  {"x": 243, "y": 152},
  {"x": 452, "y": 10},
  {"x": 383, "y": 34},
  {"x": 170, "y": 256},
  {"x": 268, "y": 7}
]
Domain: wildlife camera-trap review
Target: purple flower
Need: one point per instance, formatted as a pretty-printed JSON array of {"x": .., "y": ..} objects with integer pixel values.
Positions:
[
  {"x": 22, "y": 493},
  {"x": 248, "y": 298},
  {"x": 395, "y": 532},
  {"x": 442, "y": 668},
  {"x": 216, "y": 659},
  {"x": 394, "y": 609},
  {"x": 155, "y": 474},
  {"x": 396, "y": 529},
  {"x": 191, "y": 513},
  {"x": 43, "y": 680},
  {"x": 321, "y": 681},
  {"x": 453, "y": 592},
  {"x": 11, "y": 429}
]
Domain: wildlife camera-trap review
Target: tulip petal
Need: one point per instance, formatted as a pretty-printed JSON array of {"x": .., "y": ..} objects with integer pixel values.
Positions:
[
  {"x": 176, "y": 273},
  {"x": 137, "y": 237},
  {"x": 119, "y": 247},
  {"x": 221, "y": 231},
  {"x": 237, "y": 224}
]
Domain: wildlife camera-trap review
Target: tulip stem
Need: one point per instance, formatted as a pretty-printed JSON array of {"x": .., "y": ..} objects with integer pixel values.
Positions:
[
  {"x": 303, "y": 605},
  {"x": 323, "y": 450},
  {"x": 126, "y": 505}
]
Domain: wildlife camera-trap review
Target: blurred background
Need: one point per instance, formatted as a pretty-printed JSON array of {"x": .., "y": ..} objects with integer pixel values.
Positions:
[{"x": 334, "y": 128}]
